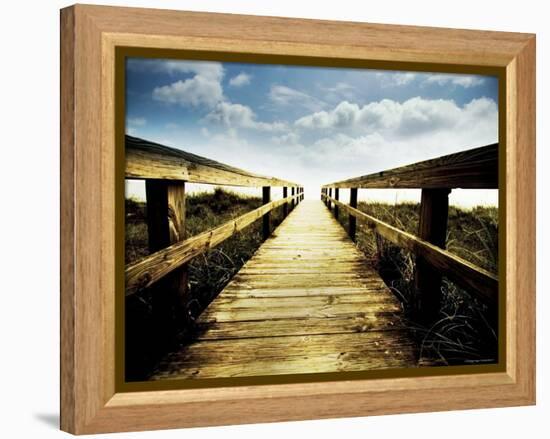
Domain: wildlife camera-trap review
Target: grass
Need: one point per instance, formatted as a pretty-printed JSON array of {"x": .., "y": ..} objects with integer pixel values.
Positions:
[
  {"x": 208, "y": 273},
  {"x": 462, "y": 333}
]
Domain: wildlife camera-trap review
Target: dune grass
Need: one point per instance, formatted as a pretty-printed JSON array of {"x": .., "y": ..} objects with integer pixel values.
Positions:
[
  {"x": 463, "y": 333},
  {"x": 208, "y": 273}
]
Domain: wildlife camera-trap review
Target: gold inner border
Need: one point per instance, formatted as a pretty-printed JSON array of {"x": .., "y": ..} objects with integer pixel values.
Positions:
[{"x": 122, "y": 52}]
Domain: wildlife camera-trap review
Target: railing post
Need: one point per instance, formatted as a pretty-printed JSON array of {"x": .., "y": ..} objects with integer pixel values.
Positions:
[
  {"x": 336, "y": 197},
  {"x": 432, "y": 227},
  {"x": 285, "y": 206},
  {"x": 166, "y": 226},
  {"x": 266, "y": 226},
  {"x": 352, "y": 220},
  {"x": 330, "y": 195},
  {"x": 292, "y": 189}
]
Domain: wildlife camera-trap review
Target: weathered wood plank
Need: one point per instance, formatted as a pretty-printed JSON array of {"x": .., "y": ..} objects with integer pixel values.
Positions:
[
  {"x": 432, "y": 227},
  {"x": 266, "y": 220},
  {"x": 307, "y": 326},
  {"x": 306, "y": 302},
  {"x": 150, "y": 269},
  {"x": 472, "y": 169},
  {"x": 166, "y": 226},
  {"x": 352, "y": 221},
  {"x": 290, "y": 355},
  {"x": 149, "y": 160},
  {"x": 469, "y": 276}
]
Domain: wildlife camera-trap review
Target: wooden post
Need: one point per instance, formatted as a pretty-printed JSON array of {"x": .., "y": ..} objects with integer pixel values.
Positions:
[
  {"x": 285, "y": 206},
  {"x": 165, "y": 226},
  {"x": 266, "y": 198},
  {"x": 330, "y": 195},
  {"x": 336, "y": 197},
  {"x": 292, "y": 202},
  {"x": 352, "y": 220},
  {"x": 432, "y": 227}
]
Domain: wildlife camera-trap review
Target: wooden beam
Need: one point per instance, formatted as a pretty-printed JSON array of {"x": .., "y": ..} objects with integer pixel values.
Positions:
[
  {"x": 149, "y": 160},
  {"x": 472, "y": 169},
  {"x": 285, "y": 206},
  {"x": 478, "y": 281},
  {"x": 150, "y": 269},
  {"x": 336, "y": 197},
  {"x": 266, "y": 221},
  {"x": 352, "y": 223},
  {"x": 434, "y": 212},
  {"x": 166, "y": 226}
]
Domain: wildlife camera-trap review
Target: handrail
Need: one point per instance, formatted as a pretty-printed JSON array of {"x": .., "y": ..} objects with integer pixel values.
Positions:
[
  {"x": 149, "y": 160},
  {"x": 460, "y": 271},
  {"x": 150, "y": 269},
  {"x": 472, "y": 169},
  {"x": 476, "y": 168}
]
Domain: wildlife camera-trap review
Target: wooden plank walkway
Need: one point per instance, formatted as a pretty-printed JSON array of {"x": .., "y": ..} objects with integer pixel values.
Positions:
[{"x": 306, "y": 302}]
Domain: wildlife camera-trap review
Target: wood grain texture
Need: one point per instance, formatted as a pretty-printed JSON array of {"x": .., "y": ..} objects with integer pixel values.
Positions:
[
  {"x": 149, "y": 160},
  {"x": 296, "y": 334},
  {"x": 432, "y": 227},
  {"x": 475, "y": 168},
  {"x": 67, "y": 215},
  {"x": 482, "y": 283},
  {"x": 150, "y": 269},
  {"x": 90, "y": 34}
]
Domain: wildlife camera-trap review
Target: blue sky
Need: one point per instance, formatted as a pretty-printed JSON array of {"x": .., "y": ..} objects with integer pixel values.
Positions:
[{"x": 310, "y": 124}]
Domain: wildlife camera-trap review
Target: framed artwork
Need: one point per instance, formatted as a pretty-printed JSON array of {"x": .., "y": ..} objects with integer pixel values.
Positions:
[{"x": 272, "y": 219}]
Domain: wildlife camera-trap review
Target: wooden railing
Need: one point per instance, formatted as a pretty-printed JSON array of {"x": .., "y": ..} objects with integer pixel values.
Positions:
[
  {"x": 165, "y": 171},
  {"x": 473, "y": 169}
]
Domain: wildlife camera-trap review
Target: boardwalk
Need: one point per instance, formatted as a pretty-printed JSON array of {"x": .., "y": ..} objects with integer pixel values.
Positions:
[{"x": 306, "y": 302}]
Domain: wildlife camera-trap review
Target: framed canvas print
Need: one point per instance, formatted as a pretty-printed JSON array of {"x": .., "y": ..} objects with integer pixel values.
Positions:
[{"x": 270, "y": 219}]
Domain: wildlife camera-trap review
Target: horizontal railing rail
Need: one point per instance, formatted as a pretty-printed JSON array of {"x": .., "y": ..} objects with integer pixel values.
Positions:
[
  {"x": 166, "y": 171},
  {"x": 149, "y": 160},
  {"x": 472, "y": 169},
  {"x": 150, "y": 269},
  {"x": 460, "y": 271}
]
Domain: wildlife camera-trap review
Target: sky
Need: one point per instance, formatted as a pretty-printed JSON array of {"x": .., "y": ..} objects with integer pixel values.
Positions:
[{"x": 312, "y": 125}]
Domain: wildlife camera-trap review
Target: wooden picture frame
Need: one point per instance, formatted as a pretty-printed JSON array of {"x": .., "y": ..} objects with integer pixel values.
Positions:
[{"x": 90, "y": 36}]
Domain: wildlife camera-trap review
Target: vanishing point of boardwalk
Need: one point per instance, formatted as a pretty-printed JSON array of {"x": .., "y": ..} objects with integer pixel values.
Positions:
[{"x": 307, "y": 301}]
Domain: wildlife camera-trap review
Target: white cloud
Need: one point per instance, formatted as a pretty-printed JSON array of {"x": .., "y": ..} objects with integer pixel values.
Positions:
[
  {"x": 202, "y": 89},
  {"x": 388, "y": 79},
  {"x": 240, "y": 116},
  {"x": 240, "y": 80},
  {"x": 412, "y": 117},
  {"x": 136, "y": 121},
  {"x": 204, "y": 68},
  {"x": 283, "y": 96},
  {"x": 197, "y": 91},
  {"x": 290, "y": 138},
  {"x": 465, "y": 81}
]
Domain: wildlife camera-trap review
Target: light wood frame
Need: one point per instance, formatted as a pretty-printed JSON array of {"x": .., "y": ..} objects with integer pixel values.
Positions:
[{"x": 90, "y": 34}]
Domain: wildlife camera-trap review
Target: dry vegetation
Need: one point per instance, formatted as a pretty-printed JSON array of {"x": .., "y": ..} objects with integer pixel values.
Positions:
[
  {"x": 208, "y": 273},
  {"x": 462, "y": 335}
]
